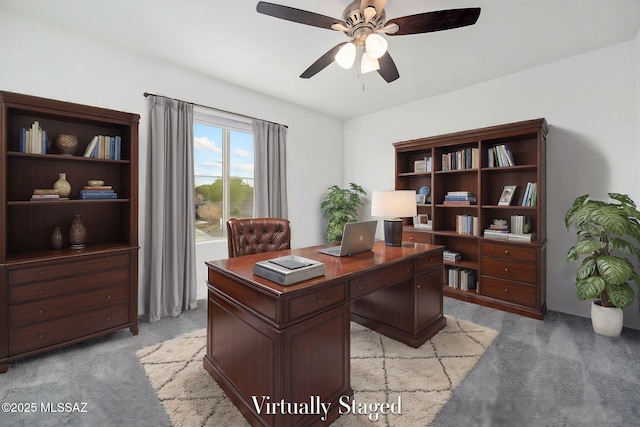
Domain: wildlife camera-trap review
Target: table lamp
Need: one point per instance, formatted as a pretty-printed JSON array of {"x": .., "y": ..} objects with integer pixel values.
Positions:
[{"x": 394, "y": 204}]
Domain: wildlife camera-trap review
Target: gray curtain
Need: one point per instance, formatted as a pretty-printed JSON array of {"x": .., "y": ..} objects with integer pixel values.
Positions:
[
  {"x": 170, "y": 265},
  {"x": 270, "y": 169}
]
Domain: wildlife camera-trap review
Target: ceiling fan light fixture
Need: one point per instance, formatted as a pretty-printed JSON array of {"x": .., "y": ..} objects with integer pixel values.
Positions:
[
  {"x": 368, "y": 63},
  {"x": 376, "y": 45},
  {"x": 346, "y": 56}
]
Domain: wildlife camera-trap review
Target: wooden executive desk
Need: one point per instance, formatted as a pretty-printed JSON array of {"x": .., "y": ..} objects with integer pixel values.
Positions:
[{"x": 292, "y": 343}]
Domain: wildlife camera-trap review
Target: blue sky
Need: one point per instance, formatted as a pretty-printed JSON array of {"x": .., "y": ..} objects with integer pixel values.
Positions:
[{"x": 208, "y": 153}]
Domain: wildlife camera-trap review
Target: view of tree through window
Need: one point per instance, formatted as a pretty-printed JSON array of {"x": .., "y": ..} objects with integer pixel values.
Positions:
[{"x": 223, "y": 163}]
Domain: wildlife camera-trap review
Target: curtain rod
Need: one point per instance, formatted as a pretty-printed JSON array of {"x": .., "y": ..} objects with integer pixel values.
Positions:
[{"x": 146, "y": 94}]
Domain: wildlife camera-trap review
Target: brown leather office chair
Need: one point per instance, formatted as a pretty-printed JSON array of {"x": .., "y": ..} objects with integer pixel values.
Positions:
[{"x": 255, "y": 235}]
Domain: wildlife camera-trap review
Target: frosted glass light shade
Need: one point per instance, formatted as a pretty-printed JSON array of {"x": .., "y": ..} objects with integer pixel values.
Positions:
[
  {"x": 376, "y": 45},
  {"x": 394, "y": 204},
  {"x": 368, "y": 63},
  {"x": 346, "y": 55}
]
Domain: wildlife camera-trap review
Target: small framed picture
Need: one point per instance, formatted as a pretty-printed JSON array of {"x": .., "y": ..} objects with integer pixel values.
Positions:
[
  {"x": 507, "y": 195},
  {"x": 420, "y": 166},
  {"x": 421, "y": 199},
  {"x": 422, "y": 221}
]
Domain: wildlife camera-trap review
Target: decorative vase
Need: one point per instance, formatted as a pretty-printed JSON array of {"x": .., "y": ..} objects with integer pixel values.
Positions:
[
  {"x": 62, "y": 186},
  {"x": 78, "y": 233},
  {"x": 56, "y": 238},
  {"x": 67, "y": 144},
  {"x": 606, "y": 320}
]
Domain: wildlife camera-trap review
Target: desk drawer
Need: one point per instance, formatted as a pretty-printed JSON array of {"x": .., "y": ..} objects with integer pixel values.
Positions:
[
  {"x": 21, "y": 315},
  {"x": 416, "y": 237},
  {"x": 70, "y": 328},
  {"x": 518, "y": 293},
  {"x": 510, "y": 270},
  {"x": 429, "y": 261},
  {"x": 373, "y": 281},
  {"x": 512, "y": 252},
  {"x": 307, "y": 304}
]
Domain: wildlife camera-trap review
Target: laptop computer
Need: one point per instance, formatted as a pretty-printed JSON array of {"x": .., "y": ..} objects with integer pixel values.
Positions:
[{"x": 356, "y": 237}]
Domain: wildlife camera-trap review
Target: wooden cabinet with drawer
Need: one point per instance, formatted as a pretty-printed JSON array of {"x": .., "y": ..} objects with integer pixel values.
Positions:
[
  {"x": 58, "y": 302},
  {"x": 511, "y": 273}
]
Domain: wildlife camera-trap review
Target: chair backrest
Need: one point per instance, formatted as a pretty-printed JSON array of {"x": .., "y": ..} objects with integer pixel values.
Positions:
[{"x": 255, "y": 235}]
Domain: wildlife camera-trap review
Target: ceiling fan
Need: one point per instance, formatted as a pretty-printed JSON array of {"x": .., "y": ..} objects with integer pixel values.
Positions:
[{"x": 363, "y": 21}]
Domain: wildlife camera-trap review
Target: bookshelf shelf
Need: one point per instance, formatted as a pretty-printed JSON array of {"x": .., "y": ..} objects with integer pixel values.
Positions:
[
  {"x": 51, "y": 298},
  {"x": 478, "y": 164}
]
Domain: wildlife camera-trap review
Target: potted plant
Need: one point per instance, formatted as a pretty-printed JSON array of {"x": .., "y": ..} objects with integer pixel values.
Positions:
[
  {"x": 606, "y": 233},
  {"x": 339, "y": 206}
]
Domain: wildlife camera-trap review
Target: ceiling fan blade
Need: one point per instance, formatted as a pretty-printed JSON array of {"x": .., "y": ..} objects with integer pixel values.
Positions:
[
  {"x": 388, "y": 69},
  {"x": 377, "y": 4},
  {"x": 435, "y": 21},
  {"x": 297, "y": 15},
  {"x": 322, "y": 62}
]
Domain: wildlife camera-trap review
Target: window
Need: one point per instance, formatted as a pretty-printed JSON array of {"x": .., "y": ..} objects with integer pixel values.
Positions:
[{"x": 223, "y": 168}]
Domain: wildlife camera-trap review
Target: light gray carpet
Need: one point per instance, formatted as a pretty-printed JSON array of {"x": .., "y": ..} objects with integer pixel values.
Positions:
[
  {"x": 417, "y": 381},
  {"x": 555, "y": 372}
]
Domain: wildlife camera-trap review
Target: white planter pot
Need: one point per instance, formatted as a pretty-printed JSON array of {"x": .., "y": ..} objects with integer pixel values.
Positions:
[{"x": 606, "y": 320}]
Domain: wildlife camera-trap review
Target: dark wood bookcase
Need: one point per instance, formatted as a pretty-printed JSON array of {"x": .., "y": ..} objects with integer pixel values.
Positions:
[
  {"x": 509, "y": 274},
  {"x": 55, "y": 297}
]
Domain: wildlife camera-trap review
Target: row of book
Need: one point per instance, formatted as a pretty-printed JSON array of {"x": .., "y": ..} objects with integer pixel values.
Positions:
[
  {"x": 33, "y": 140},
  {"x": 467, "y": 224},
  {"x": 461, "y": 278},
  {"x": 499, "y": 156},
  {"x": 518, "y": 232},
  {"x": 104, "y": 147},
  {"x": 460, "y": 198},
  {"x": 530, "y": 194},
  {"x": 466, "y": 158},
  {"x": 45, "y": 194}
]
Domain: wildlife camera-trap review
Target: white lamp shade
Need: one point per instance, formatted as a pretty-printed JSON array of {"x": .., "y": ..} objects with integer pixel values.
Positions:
[
  {"x": 346, "y": 55},
  {"x": 395, "y": 204},
  {"x": 376, "y": 45},
  {"x": 369, "y": 63}
]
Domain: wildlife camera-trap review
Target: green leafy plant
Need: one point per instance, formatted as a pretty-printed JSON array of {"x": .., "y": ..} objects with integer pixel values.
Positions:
[
  {"x": 606, "y": 231},
  {"x": 339, "y": 206}
]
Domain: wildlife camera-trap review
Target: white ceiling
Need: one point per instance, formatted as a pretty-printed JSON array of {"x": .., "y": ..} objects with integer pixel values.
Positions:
[{"x": 229, "y": 40}]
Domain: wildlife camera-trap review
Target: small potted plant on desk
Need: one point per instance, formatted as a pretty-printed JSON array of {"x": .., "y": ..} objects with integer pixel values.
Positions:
[
  {"x": 606, "y": 232},
  {"x": 339, "y": 206}
]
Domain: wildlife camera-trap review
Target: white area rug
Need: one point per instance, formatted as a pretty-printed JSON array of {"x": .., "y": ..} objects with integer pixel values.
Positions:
[{"x": 382, "y": 370}]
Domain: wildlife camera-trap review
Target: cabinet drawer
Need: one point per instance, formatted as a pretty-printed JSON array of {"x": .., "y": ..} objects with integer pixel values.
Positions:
[
  {"x": 70, "y": 285},
  {"x": 307, "y": 304},
  {"x": 29, "y": 313},
  {"x": 510, "y": 270},
  {"x": 518, "y": 293},
  {"x": 504, "y": 251},
  {"x": 381, "y": 278},
  {"x": 429, "y": 261},
  {"x": 416, "y": 237},
  {"x": 65, "y": 269},
  {"x": 67, "y": 329}
]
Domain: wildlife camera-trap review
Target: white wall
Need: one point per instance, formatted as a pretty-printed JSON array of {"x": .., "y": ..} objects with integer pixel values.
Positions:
[
  {"x": 591, "y": 104},
  {"x": 41, "y": 60}
]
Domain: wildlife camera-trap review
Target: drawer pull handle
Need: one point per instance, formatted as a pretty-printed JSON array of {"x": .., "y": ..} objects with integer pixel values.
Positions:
[
  {"x": 411, "y": 238},
  {"x": 109, "y": 318},
  {"x": 359, "y": 287},
  {"x": 431, "y": 260},
  {"x": 41, "y": 312},
  {"x": 506, "y": 290},
  {"x": 108, "y": 296},
  {"x": 408, "y": 269},
  {"x": 41, "y": 335},
  {"x": 506, "y": 252},
  {"x": 506, "y": 269},
  {"x": 419, "y": 286},
  {"x": 319, "y": 300}
]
